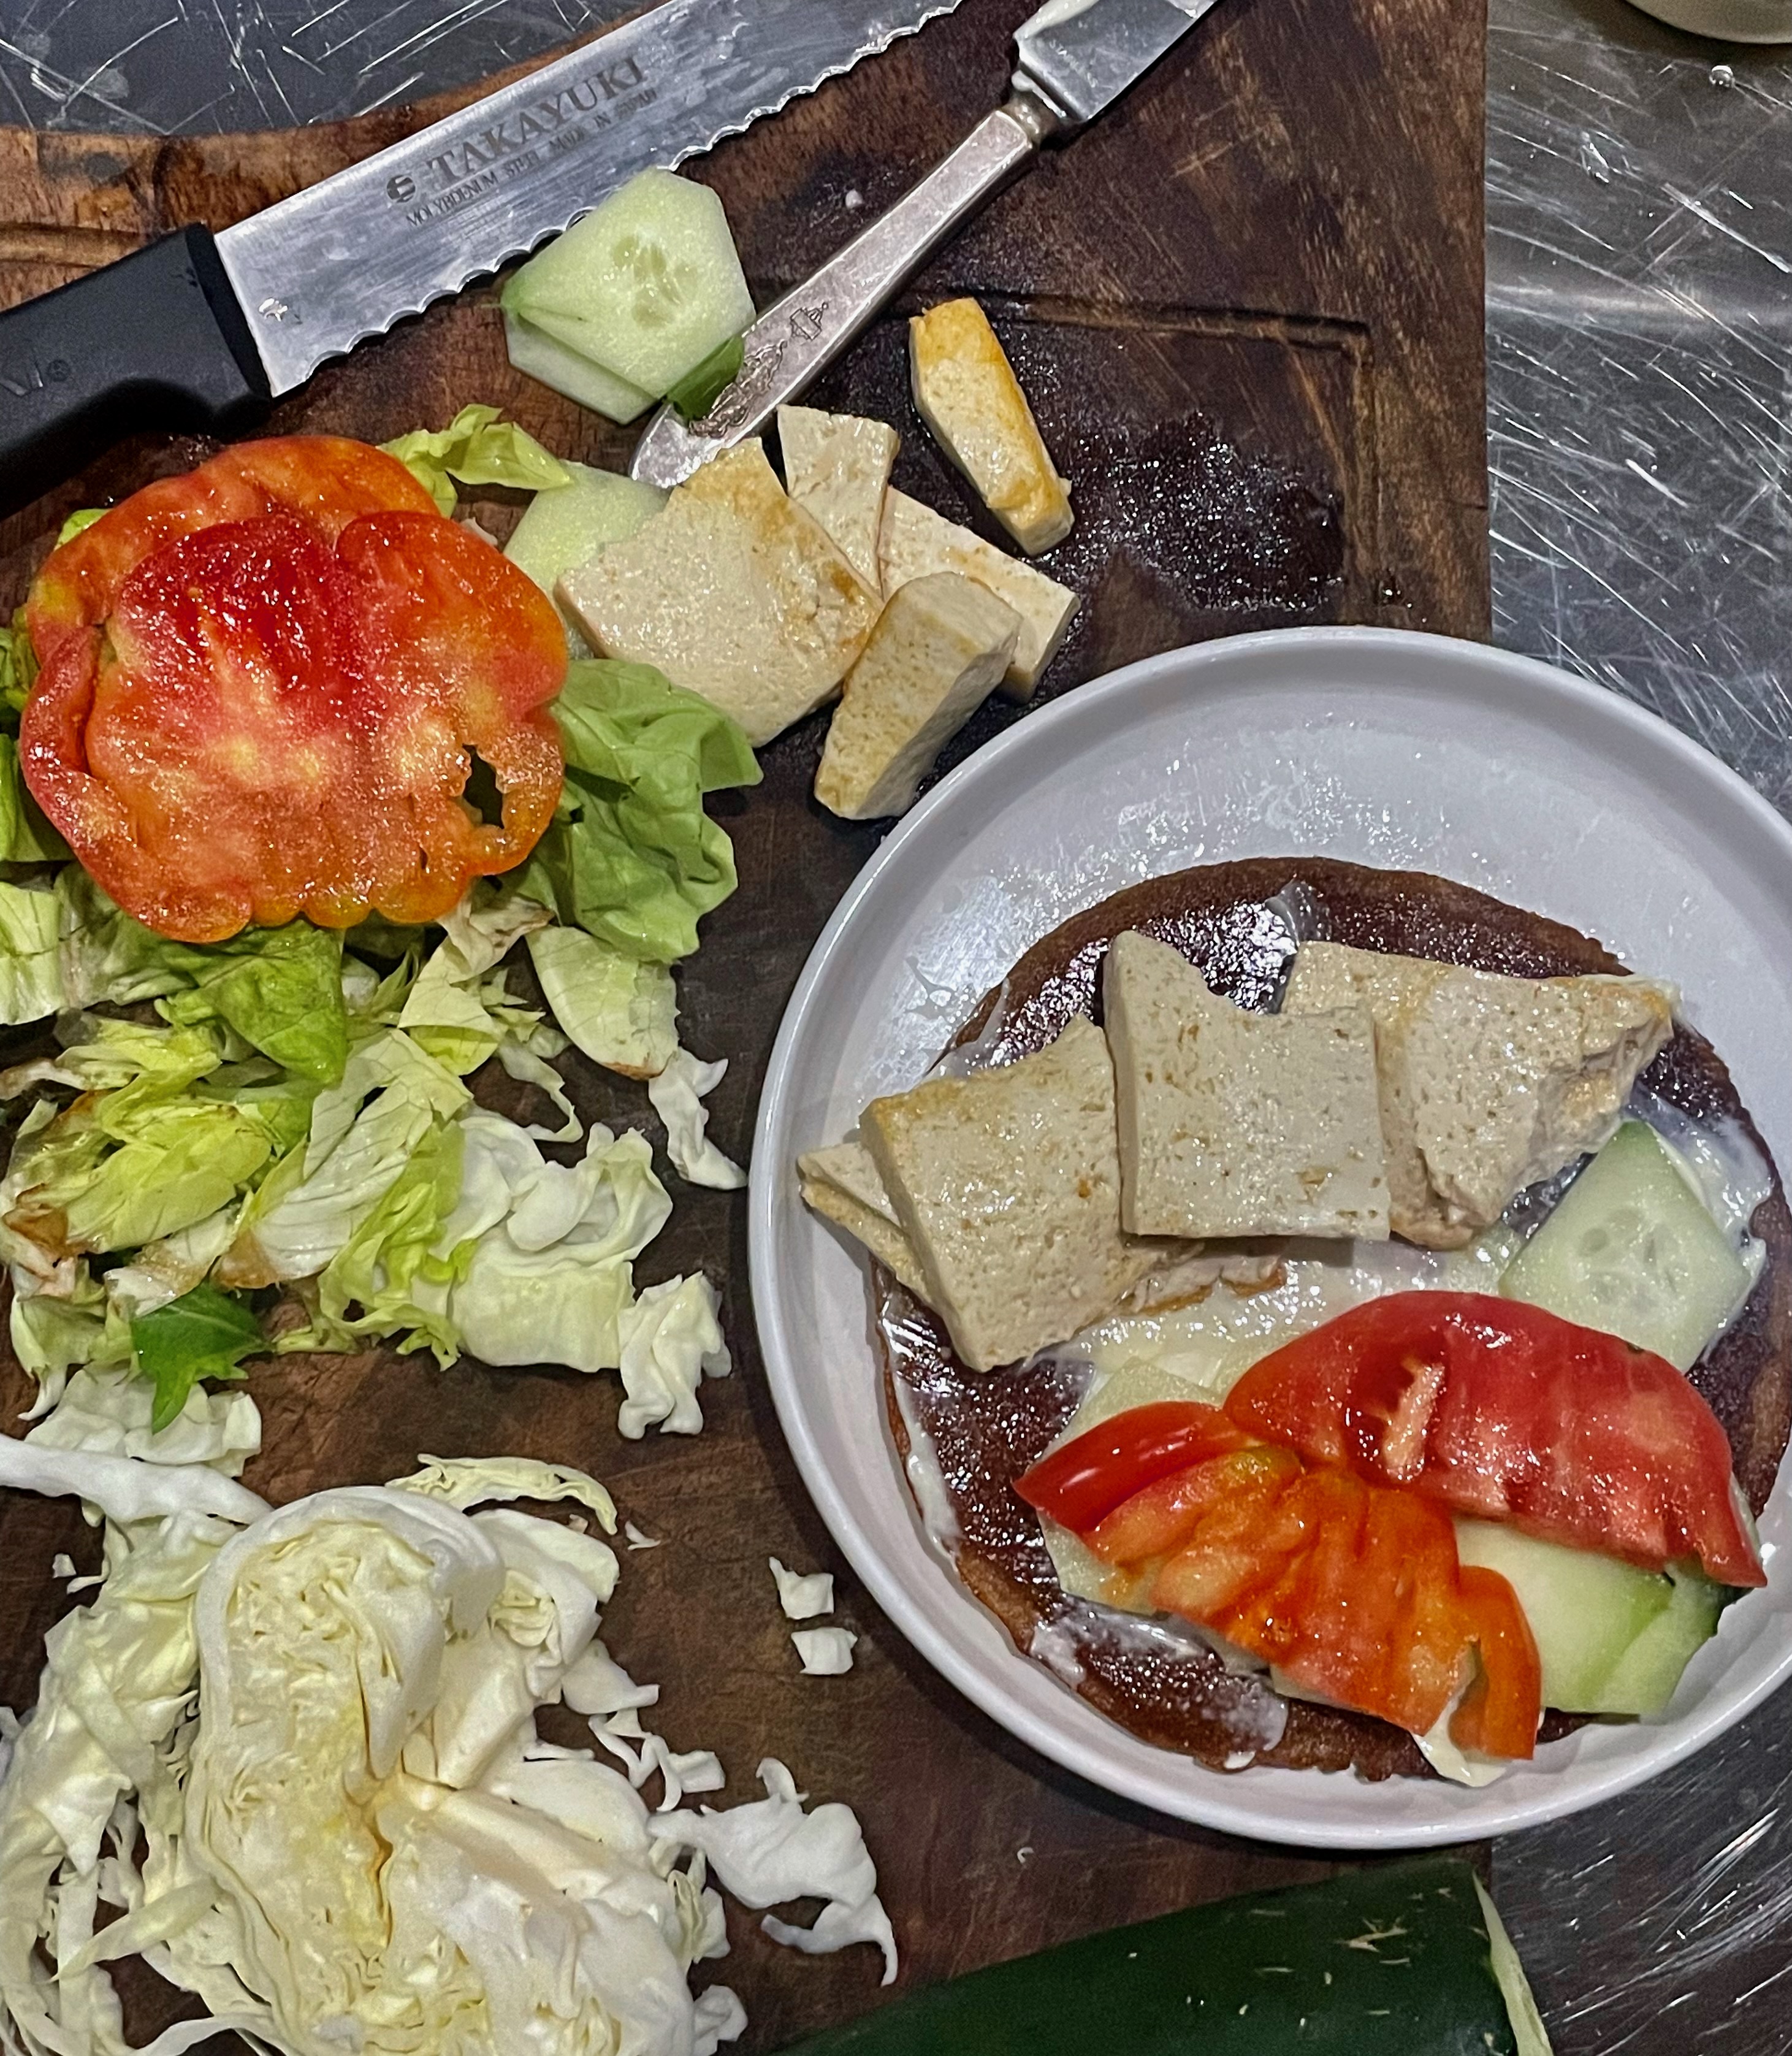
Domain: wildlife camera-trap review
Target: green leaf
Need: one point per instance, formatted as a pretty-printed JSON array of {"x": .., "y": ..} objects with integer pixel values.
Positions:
[
  {"x": 18, "y": 665},
  {"x": 82, "y": 518},
  {"x": 631, "y": 858},
  {"x": 31, "y": 962},
  {"x": 699, "y": 390},
  {"x": 25, "y": 837},
  {"x": 478, "y": 448},
  {"x": 281, "y": 989},
  {"x": 203, "y": 1334}
]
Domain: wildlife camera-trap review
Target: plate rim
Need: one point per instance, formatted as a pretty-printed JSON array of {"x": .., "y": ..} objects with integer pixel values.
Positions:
[{"x": 1207, "y": 1807}]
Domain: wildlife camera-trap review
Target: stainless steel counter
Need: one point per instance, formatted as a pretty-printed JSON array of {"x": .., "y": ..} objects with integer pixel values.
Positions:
[{"x": 1639, "y": 442}]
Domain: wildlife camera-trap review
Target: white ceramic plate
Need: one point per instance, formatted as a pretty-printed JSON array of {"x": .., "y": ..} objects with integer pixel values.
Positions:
[{"x": 1399, "y": 750}]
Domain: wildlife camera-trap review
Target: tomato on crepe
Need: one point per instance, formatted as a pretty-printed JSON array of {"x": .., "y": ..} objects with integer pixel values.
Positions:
[
  {"x": 1504, "y": 1411},
  {"x": 1078, "y": 1483},
  {"x": 1353, "y": 1591},
  {"x": 264, "y": 687}
]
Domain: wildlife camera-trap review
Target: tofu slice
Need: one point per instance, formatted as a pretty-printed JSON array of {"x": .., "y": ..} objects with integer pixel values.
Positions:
[
  {"x": 914, "y": 541},
  {"x": 1007, "y": 1184},
  {"x": 1238, "y": 1124},
  {"x": 836, "y": 467},
  {"x": 967, "y": 394},
  {"x": 731, "y": 591},
  {"x": 940, "y": 648},
  {"x": 1487, "y": 1083},
  {"x": 841, "y": 1184}
]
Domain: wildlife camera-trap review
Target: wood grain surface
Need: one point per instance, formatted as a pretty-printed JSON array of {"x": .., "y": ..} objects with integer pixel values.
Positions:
[{"x": 1247, "y": 307}]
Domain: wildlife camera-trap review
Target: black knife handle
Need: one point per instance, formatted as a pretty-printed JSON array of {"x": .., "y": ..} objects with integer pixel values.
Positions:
[{"x": 154, "y": 341}]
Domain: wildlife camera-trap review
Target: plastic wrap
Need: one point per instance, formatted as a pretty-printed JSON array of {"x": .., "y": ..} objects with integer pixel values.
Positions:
[{"x": 1639, "y": 437}]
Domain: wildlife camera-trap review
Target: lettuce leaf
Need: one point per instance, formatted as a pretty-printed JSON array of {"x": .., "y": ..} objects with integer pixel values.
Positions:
[
  {"x": 364, "y": 1131},
  {"x": 280, "y": 989},
  {"x": 203, "y": 1334},
  {"x": 25, "y": 837},
  {"x": 541, "y": 1255},
  {"x": 18, "y": 666},
  {"x": 142, "y": 1155},
  {"x": 30, "y": 961},
  {"x": 631, "y": 857},
  {"x": 622, "y": 1013},
  {"x": 479, "y": 449}
]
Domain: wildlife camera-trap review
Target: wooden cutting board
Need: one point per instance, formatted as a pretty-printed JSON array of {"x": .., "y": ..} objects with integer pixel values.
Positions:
[{"x": 1247, "y": 307}]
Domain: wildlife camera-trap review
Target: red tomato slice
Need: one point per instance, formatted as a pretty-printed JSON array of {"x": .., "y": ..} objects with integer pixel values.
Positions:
[
  {"x": 1508, "y": 1413},
  {"x": 1077, "y": 1484},
  {"x": 1161, "y": 1518},
  {"x": 1353, "y": 1590},
  {"x": 326, "y": 480},
  {"x": 278, "y": 715}
]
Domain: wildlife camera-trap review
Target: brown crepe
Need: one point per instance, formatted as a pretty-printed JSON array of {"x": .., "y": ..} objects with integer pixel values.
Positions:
[{"x": 987, "y": 1428}]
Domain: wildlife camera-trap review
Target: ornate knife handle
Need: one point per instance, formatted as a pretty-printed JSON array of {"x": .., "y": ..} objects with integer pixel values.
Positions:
[{"x": 793, "y": 341}]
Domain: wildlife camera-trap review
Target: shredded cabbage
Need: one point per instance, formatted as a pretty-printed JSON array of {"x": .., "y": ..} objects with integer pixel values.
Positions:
[
  {"x": 802, "y": 1597},
  {"x": 678, "y": 1094},
  {"x": 826, "y": 1652},
  {"x": 296, "y": 1752},
  {"x": 769, "y": 1851}
]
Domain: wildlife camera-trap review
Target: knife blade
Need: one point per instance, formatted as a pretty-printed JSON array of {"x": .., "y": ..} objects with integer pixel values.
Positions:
[
  {"x": 199, "y": 332},
  {"x": 1074, "y": 60}
]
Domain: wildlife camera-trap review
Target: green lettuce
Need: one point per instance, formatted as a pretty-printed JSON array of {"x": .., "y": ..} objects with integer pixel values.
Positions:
[
  {"x": 631, "y": 856},
  {"x": 31, "y": 959},
  {"x": 25, "y": 837},
  {"x": 203, "y": 1334},
  {"x": 151, "y": 1147},
  {"x": 478, "y": 448},
  {"x": 82, "y": 519},
  {"x": 279, "y": 989},
  {"x": 364, "y": 1133},
  {"x": 18, "y": 666},
  {"x": 622, "y": 1013},
  {"x": 543, "y": 1254}
]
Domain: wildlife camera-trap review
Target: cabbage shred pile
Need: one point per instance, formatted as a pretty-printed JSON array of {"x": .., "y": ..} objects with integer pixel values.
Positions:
[{"x": 291, "y": 1758}]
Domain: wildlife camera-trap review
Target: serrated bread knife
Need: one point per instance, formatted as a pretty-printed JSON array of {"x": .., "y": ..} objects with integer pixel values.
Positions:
[{"x": 202, "y": 331}]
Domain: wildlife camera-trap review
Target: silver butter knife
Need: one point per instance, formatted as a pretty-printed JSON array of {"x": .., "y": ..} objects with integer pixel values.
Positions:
[
  {"x": 1074, "y": 60},
  {"x": 199, "y": 332}
]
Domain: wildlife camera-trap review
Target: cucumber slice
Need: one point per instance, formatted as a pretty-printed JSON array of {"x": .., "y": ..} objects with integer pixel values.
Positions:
[
  {"x": 647, "y": 285},
  {"x": 538, "y": 355},
  {"x": 1613, "y": 1640},
  {"x": 1632, "y": 1249},
  {"x": 565, "y": 525}
]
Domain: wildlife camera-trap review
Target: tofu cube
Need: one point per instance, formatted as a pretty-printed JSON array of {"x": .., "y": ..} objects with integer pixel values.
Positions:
[
  {"x": 732, "y": 591},
  {"x": 967, "y": 394},
  {"x": 1238, "y": 1124},
  {"x": 1007, "y": 1183},
  {"x": 915, "y": 542},
  {"x": 1487, "y": 1083},
  {"x": 939, "y": 647},
  {"x": 836, "y": 467}
]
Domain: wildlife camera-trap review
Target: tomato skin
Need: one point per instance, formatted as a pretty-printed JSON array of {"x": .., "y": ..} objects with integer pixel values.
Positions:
[
  {"x": 1505, "y": 1412},
  {"x": 263, "y": 686},
  {"x": 1078, "y": 1483}
]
